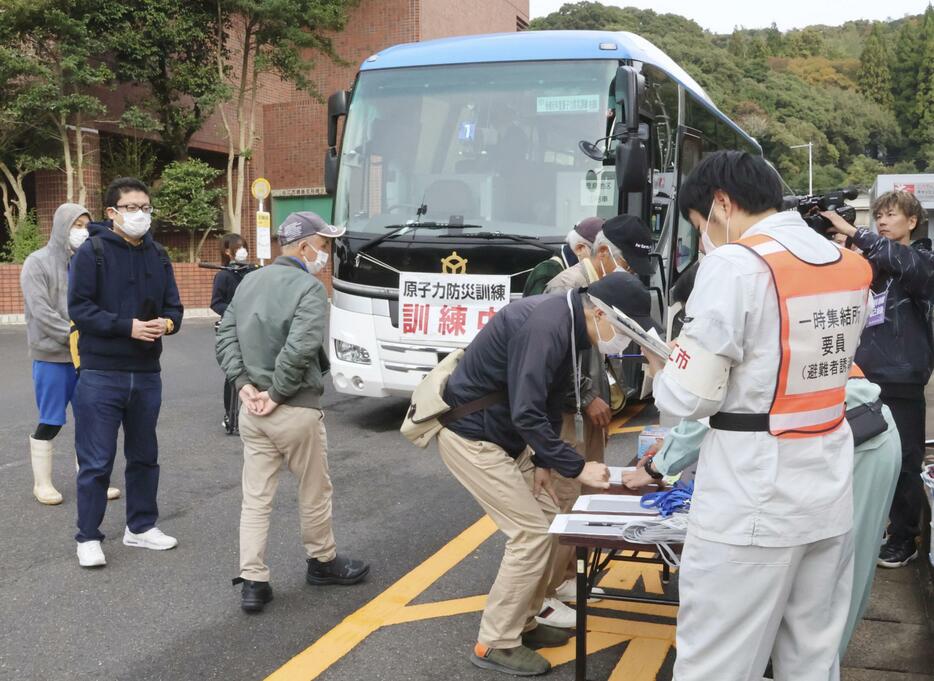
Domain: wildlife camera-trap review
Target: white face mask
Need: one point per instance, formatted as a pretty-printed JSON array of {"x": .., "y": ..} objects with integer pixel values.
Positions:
[
  {"x": 241, "y": 254},
  {"x": 135, "y": 225},
  {"x": 76, "y": 237},
  {"x": 617, "y": 267},
  {"x": 616, "y": 345},
  {"x": 316, "y": 265},
  {"x": 707, "y": 244}
]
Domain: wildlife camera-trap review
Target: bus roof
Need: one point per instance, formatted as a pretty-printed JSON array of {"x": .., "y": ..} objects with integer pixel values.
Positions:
[{"x": 543, "y": 46}]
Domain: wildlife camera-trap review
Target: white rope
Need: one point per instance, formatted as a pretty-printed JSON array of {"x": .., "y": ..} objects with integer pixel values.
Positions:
[{"x": 659, "y": 531}]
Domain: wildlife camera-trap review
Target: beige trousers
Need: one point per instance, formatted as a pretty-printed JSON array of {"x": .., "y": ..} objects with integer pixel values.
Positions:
[
  {"x": 294, "y": 436},
  {"x": 503, "y": 487},
  {"x": 593, "y": 448}
]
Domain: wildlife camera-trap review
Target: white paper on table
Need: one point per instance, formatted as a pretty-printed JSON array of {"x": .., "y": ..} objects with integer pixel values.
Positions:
[
  {"x": 611, "y": 503},
  {"x": 592, "y": 524},
  {"x": 616, "y": 473}
]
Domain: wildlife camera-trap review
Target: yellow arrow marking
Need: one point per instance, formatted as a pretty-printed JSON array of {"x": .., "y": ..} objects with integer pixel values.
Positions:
[{"x": 340, "y": 640}]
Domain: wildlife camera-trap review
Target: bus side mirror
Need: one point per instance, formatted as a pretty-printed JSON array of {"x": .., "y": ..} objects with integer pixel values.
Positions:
[
  {"x": 631, "y": 166},
  {"x": 337, "y": 107},
  {"x": 629, "y": 88},
  {"x": 330, "y": 170}
]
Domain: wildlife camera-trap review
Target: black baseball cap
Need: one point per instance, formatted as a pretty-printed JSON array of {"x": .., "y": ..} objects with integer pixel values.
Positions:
[
  {"x": 627, "y": 294},
  {"x": 634, "y": 239}
]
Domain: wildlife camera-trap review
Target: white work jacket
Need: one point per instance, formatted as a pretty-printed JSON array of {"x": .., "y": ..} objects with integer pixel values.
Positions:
[{"x": 753, "y": 488}]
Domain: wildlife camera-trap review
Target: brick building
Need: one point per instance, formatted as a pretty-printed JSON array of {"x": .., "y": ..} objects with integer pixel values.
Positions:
[{"x": 290, "y": 126}]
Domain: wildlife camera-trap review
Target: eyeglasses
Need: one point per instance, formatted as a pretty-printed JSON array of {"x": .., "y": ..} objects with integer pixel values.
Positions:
[{"x": 134, "y": 208}]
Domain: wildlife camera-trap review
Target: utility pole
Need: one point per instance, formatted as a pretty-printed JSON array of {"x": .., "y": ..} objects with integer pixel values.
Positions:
[{"x": 810, "y": 146}]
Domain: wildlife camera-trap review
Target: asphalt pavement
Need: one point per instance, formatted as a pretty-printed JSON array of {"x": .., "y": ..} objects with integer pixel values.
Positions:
[{"x": 174, "y": 615}]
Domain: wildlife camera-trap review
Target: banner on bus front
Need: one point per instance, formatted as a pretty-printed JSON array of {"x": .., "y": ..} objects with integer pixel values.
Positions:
[{"x": 451, "y": 307}]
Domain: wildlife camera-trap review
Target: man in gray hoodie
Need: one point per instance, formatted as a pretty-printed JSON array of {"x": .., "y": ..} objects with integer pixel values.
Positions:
[{"x": 44, "y": 281}]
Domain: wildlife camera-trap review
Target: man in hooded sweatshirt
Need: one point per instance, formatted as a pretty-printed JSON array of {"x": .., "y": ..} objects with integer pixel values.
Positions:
[
  {"x": 44, "y": 281},
  {"x": 122, "y": 298}
]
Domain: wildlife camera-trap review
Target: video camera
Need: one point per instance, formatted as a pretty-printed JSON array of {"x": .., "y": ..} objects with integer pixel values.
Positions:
[
  {"x": 233, "y": 266},
  {"x": 811, "y": 207}
]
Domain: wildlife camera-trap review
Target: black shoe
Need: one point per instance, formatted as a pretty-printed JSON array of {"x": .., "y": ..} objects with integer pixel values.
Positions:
[
  {"x": 254, "y": 595},
  {"x": 341, "y": 570},
  {"x": 897, "y": 553}
]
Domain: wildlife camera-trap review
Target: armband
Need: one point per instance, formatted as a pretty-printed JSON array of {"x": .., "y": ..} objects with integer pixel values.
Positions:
[{"x": 699, "y": 371}]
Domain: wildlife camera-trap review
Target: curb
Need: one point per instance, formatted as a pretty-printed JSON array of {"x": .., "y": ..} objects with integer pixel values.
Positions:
[{"x": 195, "y": 313}]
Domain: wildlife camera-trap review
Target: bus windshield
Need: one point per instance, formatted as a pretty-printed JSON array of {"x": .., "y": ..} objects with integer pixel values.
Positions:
[{"x": 491, "y": 145}]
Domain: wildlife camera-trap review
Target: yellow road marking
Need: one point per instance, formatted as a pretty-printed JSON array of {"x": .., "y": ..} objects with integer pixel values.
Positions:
[
  {"x": 340, "y": 640},
  {"x": 625, "y": 575},
  {"x": 636, "y": 608},
  {"x": 630, "y": 412},
  {"x": 392, "y": 606},
  {"x": 427, "y": 611},
  {"x": 641, "y": 661},
  {"x": 606, "y": 632}
]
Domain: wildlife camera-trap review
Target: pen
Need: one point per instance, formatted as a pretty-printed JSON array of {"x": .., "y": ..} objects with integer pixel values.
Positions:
[{"x": 606, "y": 524}]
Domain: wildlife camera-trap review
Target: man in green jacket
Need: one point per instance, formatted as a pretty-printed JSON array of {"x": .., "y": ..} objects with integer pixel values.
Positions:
[{"x": 271, "y": 345}]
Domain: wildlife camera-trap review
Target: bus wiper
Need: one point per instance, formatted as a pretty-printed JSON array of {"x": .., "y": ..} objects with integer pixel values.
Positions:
[
  {"x": 520, "y": 238},
  {"x": 399, "y": 229}
]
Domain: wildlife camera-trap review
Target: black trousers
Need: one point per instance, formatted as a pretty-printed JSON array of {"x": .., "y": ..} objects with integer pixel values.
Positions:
[{"x": 907, "y": 506}]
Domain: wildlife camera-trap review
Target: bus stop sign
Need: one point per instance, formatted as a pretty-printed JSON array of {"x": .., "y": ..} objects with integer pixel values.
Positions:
[{"x": 260, "y": 188}]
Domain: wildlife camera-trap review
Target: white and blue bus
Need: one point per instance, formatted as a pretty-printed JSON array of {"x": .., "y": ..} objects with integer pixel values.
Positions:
[{"x": 492, "y": 147}]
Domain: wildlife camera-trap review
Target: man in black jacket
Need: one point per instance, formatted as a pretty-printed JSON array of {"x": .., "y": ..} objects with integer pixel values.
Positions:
[
  {"x": 525, "y": 356},
  {"x": 122, "y": 298},
  {"x": 896, "y": 349}
]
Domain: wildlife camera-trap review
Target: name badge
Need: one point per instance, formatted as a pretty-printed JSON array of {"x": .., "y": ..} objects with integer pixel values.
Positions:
[{"x": 877, "y": 314}]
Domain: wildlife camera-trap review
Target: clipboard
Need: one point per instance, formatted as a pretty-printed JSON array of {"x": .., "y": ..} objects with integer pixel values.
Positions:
[{"x": 649, "y": 341}]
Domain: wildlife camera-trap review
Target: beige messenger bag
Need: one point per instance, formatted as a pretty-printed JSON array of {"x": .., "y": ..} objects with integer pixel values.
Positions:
[{"x": 428, "y": 412}]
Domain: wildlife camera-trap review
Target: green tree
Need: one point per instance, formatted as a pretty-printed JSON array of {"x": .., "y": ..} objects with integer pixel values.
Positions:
[
  {"x": 904, "y": 67},
  {"x": 185, "y": 199},
  {"x": 579, "y": 16},
  {"x": 863, "y": 171},
  {"x": 266, "y": 38},
  {"x": 774, "y": 42},
  {"x": 168, "y": 46},
  {"x": 65, "y": 68},
  {"x": 924, "y": 100},
  {"x": 28, "y": 238},
  {"x": 874, "y": 79},
  {"x": 737, "y": 44},
  {"x": 22, "y": 140}
]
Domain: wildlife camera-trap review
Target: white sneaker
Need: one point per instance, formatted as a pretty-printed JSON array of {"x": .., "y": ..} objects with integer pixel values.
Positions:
[
  {"x": 154, "y": 539},
  {"x": 90, "y": 554},
  {"x": 556, "y": 614},
  {"x": 567, "y": 592}
]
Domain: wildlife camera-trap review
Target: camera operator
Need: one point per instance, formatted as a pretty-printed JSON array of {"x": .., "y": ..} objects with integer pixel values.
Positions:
[
  {"x": 234, "y": 258},
  {"x": 896, "y": 349}
]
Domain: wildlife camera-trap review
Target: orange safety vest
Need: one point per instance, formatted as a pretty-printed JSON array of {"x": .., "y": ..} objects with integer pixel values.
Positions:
[{"x": 822, "y": 311}]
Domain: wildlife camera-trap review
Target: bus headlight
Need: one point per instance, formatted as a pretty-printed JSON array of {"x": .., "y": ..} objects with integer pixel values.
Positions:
[{"x": 348, "y": 352}]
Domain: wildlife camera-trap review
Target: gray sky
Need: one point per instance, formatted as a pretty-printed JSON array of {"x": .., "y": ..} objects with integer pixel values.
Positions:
[{"x": 720, "y": 16}]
